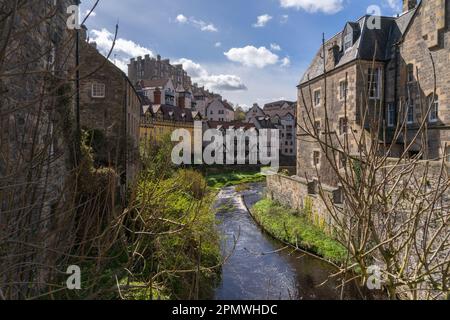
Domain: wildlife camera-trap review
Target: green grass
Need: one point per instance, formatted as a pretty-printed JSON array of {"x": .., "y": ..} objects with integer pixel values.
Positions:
[
  {"x": 221, "y": 180},
  {"x": 291, "y": 227}
]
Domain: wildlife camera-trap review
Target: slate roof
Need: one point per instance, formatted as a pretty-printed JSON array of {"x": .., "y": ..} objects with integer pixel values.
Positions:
[
  {"x": 227, "y": 125},
  {"x": 368, "y": 43},
  {"x": 158, "y": 83},
  {"x": 172, "y": 113},
  {"x": 277, "y": 104}
]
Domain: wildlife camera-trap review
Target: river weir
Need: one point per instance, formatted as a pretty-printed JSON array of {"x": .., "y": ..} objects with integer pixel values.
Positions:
[{"x": 259, "y": 267}]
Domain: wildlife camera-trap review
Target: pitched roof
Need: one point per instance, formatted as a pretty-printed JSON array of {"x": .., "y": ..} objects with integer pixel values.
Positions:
[
  {"x": 368, "y": 43},
  {"x": 277, "y": 104},
  {"x": 228, "y": 106},
  {"x": 230, "y": 125},
  {"x": 160, "y": 83},
  {"x": 172, "y": 113}
]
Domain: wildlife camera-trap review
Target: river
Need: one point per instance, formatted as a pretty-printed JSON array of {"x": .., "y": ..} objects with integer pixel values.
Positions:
[{"x": 261, "y": 268}]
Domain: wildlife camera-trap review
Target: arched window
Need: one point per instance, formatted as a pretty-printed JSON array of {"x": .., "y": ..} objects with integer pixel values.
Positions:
[{"x": 433, "y": 104}]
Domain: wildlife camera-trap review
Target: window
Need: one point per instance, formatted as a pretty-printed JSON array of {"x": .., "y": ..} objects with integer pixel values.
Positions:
[
  {"x": 316, "y": 158},
  {"x": 447, "y": 154},
  {"x": 410, "y": 71},
  {"x": 98, "y": 90},
  {"x": 317, "y": 97},
  {"x": 410, "y": 115},
  {"x": 343, "y": 125},
  {"x": 342, "y": 160},
  {"x": 348, "y": 39},
  {"x": 343, "y": 89},
  {"x": 317, "y": 126},
  {"x": 391, "y": 115},
  {"x": 374, "y": 77},
  {"x": 434, "y": 108}
]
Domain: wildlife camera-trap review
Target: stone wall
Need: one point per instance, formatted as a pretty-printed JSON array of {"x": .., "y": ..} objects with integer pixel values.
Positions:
[{"x": 302, "y": 195}]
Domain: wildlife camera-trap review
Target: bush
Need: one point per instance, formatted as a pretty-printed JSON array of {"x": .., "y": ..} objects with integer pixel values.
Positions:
[{"x": 286, "y": 225}]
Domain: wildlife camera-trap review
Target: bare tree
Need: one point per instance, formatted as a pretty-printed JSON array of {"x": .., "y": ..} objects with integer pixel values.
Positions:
[{"x": 395, "y": 212}]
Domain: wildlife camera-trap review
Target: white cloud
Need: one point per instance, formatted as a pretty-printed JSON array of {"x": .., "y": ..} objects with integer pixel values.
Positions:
[
  {"x": 220, "y": 82},
  {"x": 93, "y": 14},
  {"x": 262, "y": 21},
  {"x": 181, "y": 18},
  {"x": 251, "y": 56},
  {"x": 200, "y": 24},
  {"x": 275, "y": 47},
  {"x": 395, "y": 5},
  {"x": 218, "y": 44},
  {"x": 284, "y": 18},
  {"x": 123, "y": 49},
  {"x": 326, "y": 6},
  {"x": 285, "y": 62}
]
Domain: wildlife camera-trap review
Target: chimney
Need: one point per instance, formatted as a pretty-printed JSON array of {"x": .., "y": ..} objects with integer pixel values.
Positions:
[
  {"x": 409, "y": 5},
  {"x": 157, "y": 96},
  {"x": 158, "y": 57},
  {"x": 332, "y": 57},
  {"x": 182, "y": 102}
]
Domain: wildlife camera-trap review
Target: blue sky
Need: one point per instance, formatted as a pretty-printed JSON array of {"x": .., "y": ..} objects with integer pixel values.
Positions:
[{"x": 247, "y": 50}]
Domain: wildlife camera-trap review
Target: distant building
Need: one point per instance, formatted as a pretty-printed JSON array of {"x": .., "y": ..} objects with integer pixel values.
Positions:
[
  {"x": 159, "y": 121},
  {"x": 283, "y": 116},
  {"x": 149, "y": 68},
  {"x": 254, "y": 112},
  {"x": 160, "y": 91},
  {"x": 219, "y": 110},
  {"x": 111, "y": 109}
]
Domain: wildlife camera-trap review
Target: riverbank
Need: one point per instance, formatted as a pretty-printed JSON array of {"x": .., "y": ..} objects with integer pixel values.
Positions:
[
  {"x": 291, "y": 227},
  {"x": 221, "y": 180}
]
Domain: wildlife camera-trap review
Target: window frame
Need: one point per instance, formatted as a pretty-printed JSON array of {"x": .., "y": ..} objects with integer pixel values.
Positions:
[
  {"x": 410, "y": 109},
  {"x": 343, "y": 94},
  {"x": 317, "y": 94},
  {"x": 390, "y": 117},
  {"x": 434, "y": 110},
  {"x": 94, "y": 90},
  {"x": 371, "y": 80}
]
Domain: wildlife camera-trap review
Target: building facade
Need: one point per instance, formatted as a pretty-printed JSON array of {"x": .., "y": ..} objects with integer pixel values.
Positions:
[
  {"x": 111, "y": 110},
  {"x": 149, "y": 68},
  {"x": 219, "y": 110},
  {"x": 378, "y": 69}
]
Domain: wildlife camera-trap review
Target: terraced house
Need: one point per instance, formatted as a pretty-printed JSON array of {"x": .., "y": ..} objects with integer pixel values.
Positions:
[{"x": 388, "y": 66}]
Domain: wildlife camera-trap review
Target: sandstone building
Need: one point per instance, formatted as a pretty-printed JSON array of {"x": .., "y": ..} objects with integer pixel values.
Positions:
[
  {"x": 111, "y": 110},
  {"x": 391, "y": 67},
  {"x": 149, "y": 68}
]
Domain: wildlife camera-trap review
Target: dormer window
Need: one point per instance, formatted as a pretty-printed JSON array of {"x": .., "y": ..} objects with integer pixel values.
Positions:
[{"x": 348, "y": 40}]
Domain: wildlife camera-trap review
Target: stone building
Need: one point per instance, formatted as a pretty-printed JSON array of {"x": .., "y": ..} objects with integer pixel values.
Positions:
[
  {"x": 149, "y": 68},
  {"x": 282, "y": 114},
  {"x": 383, "y": 66},
  {"x": 159, "y": 121},
  {"x": 159, "y": 91},
  {"x": 219, "y": 110},
  {"x": 37, "y": 141},
  {"x": 111, "y": 109}
]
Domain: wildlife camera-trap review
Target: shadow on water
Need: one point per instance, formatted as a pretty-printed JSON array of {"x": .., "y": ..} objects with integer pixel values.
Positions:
[{"x": 259, "y": 268}]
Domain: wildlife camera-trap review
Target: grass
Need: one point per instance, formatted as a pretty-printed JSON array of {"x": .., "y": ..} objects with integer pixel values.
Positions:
[
  {"x": 291, "y": 227},
  {"x": 228, "y": 179}
]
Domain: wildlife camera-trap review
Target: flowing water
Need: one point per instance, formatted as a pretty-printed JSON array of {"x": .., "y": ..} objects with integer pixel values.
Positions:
[{"x": 260, "y": 268}]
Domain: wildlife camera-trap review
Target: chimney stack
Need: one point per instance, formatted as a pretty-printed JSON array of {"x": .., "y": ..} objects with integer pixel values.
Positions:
[
  {"x": 157, "y": 96},
  {"x": 409, "y": 5}
]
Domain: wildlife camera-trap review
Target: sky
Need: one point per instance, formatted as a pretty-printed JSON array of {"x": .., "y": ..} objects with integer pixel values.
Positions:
[{"x": 250, "y": 51}]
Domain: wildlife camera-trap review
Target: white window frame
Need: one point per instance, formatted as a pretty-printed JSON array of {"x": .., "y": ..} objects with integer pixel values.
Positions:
[
  {"x": 434, "y": 111},
  {"x": 377, "y": 81},
  {"x": 98, "y": 90},
  {"x": 391, "y": 115},
  {"x": 319, "y": 92},
  {"x": 343, "y": 94}
]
